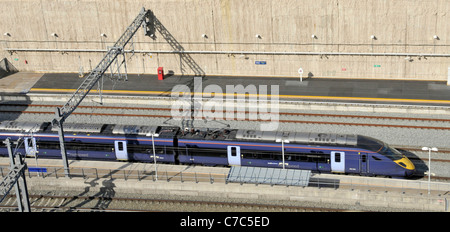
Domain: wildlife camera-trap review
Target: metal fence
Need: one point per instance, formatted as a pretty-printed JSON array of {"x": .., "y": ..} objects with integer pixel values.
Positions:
[{"x": 85, "y": 173}]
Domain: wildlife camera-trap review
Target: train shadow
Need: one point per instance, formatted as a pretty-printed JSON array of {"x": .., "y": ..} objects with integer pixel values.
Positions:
[
  {"x": 420, "y": 165},
  {"x": 12, "y": 105}
]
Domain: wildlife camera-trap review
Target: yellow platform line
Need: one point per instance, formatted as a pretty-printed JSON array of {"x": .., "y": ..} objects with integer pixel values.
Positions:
[{"x": 268, "y": 96}]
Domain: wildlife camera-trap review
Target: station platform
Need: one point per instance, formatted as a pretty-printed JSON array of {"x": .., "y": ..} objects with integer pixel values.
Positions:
[
  {"x": 20, "y": 82},
  {"x": 400, "y": 92}
]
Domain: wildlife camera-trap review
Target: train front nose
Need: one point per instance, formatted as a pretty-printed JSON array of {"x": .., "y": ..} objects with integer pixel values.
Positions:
[
  {"x": 405, "y": 163},
  {"x": 409, "y": 173}
]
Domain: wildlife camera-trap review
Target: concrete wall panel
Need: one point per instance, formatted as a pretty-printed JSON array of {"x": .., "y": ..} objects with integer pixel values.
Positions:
[{"x": 402, "y": 26}]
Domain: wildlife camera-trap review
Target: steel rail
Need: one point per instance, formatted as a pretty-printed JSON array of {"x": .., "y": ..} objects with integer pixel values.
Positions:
[
  {"x": 246, "y": 112},
  {"x": 245, "y": 119}
]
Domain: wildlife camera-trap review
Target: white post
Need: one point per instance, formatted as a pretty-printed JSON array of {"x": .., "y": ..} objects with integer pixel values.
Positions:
[
  {"x": 282, "y": 147},
  {"x": 429, "y": 170},
  {"x": 300, "y": 71},
  {"x": 301, "y": 77},
  {"x": 154, "y": 155},
  {"x": 429, "y": 164},
  {"x": 282, "y": 151},
  {"x": 448, "y": 76}
]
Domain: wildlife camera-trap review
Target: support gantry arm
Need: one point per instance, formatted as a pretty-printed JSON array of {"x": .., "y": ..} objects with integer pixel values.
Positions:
[{"x": 63, "y": 112}]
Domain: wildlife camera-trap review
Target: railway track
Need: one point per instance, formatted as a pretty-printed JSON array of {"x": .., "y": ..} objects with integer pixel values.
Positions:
[
  {"x": 443, "y": 150},
  {"x": 123, "y": 204},
  {"x": 281, "y": 114},
  {"x": 247, "y": 112}
]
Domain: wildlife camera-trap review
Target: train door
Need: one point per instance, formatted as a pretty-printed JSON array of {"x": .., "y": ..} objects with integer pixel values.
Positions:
[
  {"x": 30, "y": 147},
  {"x": 364, "y": 167},
  {"x": 234, "y": 155},
  {"x": 121, "y": 150},
  {"x": 338, "y": 161}
]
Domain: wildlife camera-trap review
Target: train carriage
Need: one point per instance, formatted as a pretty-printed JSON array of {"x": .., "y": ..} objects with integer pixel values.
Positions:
[
  {"x": 93, "y": 141},
  {"x": 319, "y": 152}
]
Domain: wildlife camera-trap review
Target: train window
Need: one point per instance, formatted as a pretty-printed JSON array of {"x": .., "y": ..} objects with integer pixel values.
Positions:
[
  {"x": 317, "y": 159},
  {"x": 169, "y": 150},
  {"x": 233, "y": 151},
  {"x": 182, "y": 151},
  {"x": 391, "y": 153},
  {"x": 120, "y": 146},
  {"x": 302, "y": 158},
  {"x": 48, "y": 145},
  {"x": 369, "y": 143},
  {"x": 250, "y": 155},
  {"x": 211, "y": 152},
  {"x": 337, "y": 157},
  {"x": 265, "y": 156},
  {"x": 75, "y": 145},
  {"x": 364, "y": 158}
]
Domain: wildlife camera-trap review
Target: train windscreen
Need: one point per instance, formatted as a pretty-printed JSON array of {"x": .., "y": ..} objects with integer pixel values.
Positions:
[
  {"x": 369, "y": 143},
  {"x": 391, "y": 152},
  {"x": 378, "y": 146}
]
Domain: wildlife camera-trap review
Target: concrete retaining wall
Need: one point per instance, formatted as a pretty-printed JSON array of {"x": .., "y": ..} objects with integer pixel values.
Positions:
[
  {"x": 246, "y": 191},
  {"x": 339, "y": 26}
]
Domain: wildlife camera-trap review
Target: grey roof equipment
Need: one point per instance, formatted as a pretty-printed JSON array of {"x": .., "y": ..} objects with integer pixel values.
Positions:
[
  {"x": 134, "y": 130},
  {"x": 81, "y": 128},
  {"x": 298, "y": 137},
  {"x": 20, "y": 126}
]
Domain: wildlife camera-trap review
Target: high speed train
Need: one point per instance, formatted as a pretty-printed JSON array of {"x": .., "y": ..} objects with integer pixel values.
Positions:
[{"x": 319, "y": 152}]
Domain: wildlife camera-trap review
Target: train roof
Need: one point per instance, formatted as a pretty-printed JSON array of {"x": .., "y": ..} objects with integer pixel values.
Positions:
[
  {"x": 270, "y": 136},
  {"x": 208, "y": 134},
  {"x": 310, "y": 138},
  {"x": 135, "y": 130},
  {"x": 299, "y": 137},
  {"x": 81, "y": 128},
  {"x": 127, "y": 130},
  {"x": 26, "y": 127}
]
